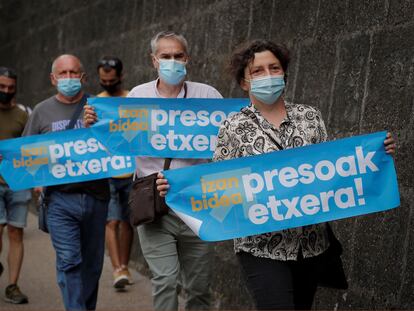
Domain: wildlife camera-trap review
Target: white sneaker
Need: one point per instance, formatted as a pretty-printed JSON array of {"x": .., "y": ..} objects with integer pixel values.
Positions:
[{"x": 120, "y": 279}]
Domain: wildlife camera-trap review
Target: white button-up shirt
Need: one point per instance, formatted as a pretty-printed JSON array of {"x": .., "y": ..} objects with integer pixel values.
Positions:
[{"x": 150, "y": 165}]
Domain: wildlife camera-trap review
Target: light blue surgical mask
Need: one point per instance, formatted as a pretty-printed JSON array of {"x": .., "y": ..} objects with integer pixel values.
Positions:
[
  {"x": 69, "y": 86},
  {"x": 267, "y": 89},
  {"x": 171, "y": 71}
]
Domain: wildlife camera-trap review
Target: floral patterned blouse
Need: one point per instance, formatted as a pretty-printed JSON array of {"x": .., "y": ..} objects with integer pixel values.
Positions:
[{"x": 240, "y": 136}]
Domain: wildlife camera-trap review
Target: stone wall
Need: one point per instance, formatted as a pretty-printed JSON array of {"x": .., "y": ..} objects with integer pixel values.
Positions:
[{"x": 351, "y": 58}]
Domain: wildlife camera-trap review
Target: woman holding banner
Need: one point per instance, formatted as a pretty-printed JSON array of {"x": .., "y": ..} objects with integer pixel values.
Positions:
[{"x": 281, "y": 268}]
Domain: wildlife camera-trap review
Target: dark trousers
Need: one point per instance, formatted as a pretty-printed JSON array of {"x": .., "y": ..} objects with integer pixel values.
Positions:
[{"x": 280, "y": 285}]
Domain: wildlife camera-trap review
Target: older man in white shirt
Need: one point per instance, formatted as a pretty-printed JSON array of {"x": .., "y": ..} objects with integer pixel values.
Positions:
[{"x": 170, "y": 248}]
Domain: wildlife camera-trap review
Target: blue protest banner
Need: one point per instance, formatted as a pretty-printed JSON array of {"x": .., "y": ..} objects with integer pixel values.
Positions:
[
  {"x": 162, "y": 127},
  {"x": 59, "y": 158},
  {"x": 285, "y": 189}
]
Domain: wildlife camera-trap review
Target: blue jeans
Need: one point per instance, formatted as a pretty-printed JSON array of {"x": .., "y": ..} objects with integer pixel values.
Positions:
[{"x": 77, "y": 228}]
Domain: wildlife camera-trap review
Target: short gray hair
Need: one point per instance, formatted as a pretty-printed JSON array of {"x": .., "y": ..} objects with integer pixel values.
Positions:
[
  {"x": 66, "y": 55},
  {"x": 170, "y": 35}
]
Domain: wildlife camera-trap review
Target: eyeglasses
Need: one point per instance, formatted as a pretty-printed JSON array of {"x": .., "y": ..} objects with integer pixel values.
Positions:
[{"x": 108, "y": 62}]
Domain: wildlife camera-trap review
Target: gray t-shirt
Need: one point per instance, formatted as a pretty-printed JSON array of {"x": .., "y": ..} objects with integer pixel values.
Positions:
[
  {"x": 52, "y": 115},
  {"x": 149, "y": 165}
]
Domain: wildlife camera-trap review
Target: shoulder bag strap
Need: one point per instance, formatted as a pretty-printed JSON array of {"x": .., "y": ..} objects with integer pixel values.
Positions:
[
  {"x": 77, "y": 112},
  {"x": 185, "y": 90},
  {"x": 252, "y": 116},
  {"x": 167, "y": 161}
]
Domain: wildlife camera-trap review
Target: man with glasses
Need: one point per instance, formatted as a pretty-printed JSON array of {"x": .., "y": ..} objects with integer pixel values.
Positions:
[
  {"x": 118, "y": 233},
  {"x": 13, "y": 204},
  {"x": 76, "y": 213},
  {"x": 170, "y": 248}
]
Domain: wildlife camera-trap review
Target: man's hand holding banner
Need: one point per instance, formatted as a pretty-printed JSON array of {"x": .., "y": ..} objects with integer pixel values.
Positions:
[
  {"x": 59, "y": 158},
  {"x": 285, "y": 189}
]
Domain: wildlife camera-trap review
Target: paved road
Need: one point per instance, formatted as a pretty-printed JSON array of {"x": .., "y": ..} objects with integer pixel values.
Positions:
[{"x": 38, "y": 279}]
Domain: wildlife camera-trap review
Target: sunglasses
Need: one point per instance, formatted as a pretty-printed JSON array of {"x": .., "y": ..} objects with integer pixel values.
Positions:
[{"x": 108, "y": 62}]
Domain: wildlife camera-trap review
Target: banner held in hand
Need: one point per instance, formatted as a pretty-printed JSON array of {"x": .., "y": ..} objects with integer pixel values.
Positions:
[
  {"x": 162, "y": 127},
  {"x": 285, "y": 189},
  {"x": 59, "y": 158}
]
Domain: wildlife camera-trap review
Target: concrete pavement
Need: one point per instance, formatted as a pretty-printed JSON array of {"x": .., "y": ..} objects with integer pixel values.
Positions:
[{"x": 38, "y": 279}]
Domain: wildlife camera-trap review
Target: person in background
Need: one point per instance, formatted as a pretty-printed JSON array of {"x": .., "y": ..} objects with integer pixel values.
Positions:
[
  {"x": 76, "y": 213},
  {"x": 169, "y": 246},
  {"x": 110, "y": 71},
  {"x": 13, "y": 204},
  {"x": 118, "y": 233}
]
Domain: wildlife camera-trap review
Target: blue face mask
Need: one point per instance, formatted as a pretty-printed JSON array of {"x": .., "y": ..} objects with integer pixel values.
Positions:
[
  {"x": 171, "y": 71},
  {"x": 69, "y": 86},
  {"x": 267, "y": 89}
]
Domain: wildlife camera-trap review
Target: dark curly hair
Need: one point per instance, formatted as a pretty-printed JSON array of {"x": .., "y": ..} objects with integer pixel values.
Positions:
[{"x": 243, "y": 55}]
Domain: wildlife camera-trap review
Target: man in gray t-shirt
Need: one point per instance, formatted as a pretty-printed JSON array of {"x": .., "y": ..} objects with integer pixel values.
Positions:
[
  {"x": 76, "y": 212},
  {"x": 51, "y": 115}
]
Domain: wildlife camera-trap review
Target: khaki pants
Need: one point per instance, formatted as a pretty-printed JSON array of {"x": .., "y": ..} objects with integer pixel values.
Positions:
[{"x": 173, "y": 252}]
